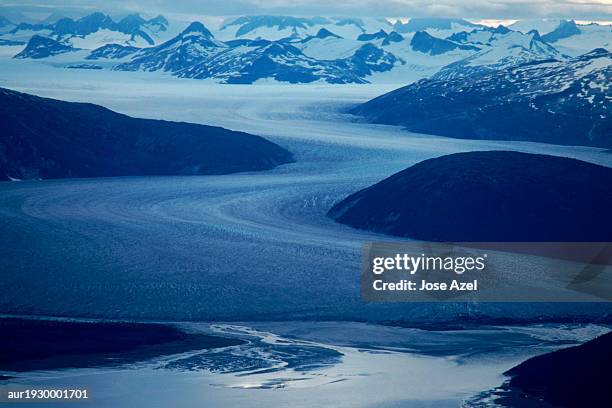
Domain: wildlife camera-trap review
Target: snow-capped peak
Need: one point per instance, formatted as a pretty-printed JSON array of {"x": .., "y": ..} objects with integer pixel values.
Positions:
[{"x": 197, "y": 28}]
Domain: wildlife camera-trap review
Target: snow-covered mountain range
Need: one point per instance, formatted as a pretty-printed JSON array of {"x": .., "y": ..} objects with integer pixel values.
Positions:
[
  {"x": 297, "y": 49},
  {"x": 93, "y": 30},
  {"x": 562, "y": 102},
  {"x": 195, "y": 53}
]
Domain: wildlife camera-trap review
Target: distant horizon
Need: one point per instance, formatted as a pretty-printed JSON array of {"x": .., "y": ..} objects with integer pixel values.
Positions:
[
  {"x": 39, "y": 16},
  {"x": 484, "y": 12}
]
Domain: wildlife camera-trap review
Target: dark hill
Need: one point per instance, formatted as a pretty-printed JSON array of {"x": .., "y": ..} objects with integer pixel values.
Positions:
[
  {"x": 487, "y": 196},
  {"x": 48, "y": 138},
  {"x": 572, "y": 377}
]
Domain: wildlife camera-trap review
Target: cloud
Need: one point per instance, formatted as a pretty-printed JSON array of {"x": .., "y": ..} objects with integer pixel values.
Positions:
[{"x": 479, "y": 9}]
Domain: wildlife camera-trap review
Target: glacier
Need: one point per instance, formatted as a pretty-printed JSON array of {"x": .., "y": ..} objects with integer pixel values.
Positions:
[{"x": 244, "y": 246}]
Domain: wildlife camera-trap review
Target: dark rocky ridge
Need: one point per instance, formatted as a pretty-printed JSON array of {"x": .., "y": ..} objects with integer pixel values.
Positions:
[
  {"x": 43, "y": 47},
  {"x": 427, "y": 44},
  {"x": 560, "y": 102},
  {"x": 564, "y": 30},
  {"x": 379, "y": 35},
  {"x": 496, "y": 196},
  {"x": 48, "y": 138},
  {"x": 32, "y": 344},
  {"x": 572, "y": 377}
]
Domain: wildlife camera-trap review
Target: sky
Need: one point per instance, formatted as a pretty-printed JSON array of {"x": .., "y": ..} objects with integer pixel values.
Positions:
[{"x": 598, "y": 10}]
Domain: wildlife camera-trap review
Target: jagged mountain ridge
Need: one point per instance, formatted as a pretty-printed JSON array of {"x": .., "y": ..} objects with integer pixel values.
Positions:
[
  {"x": 195, "y": 53},
  {"x": 497, "y": 49},
  {"x": 67, "y": 29},
  {"x": 191, "y": 46},
  {"x": 305, "y": 49},
  {"x": 43, "y": 47}
]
